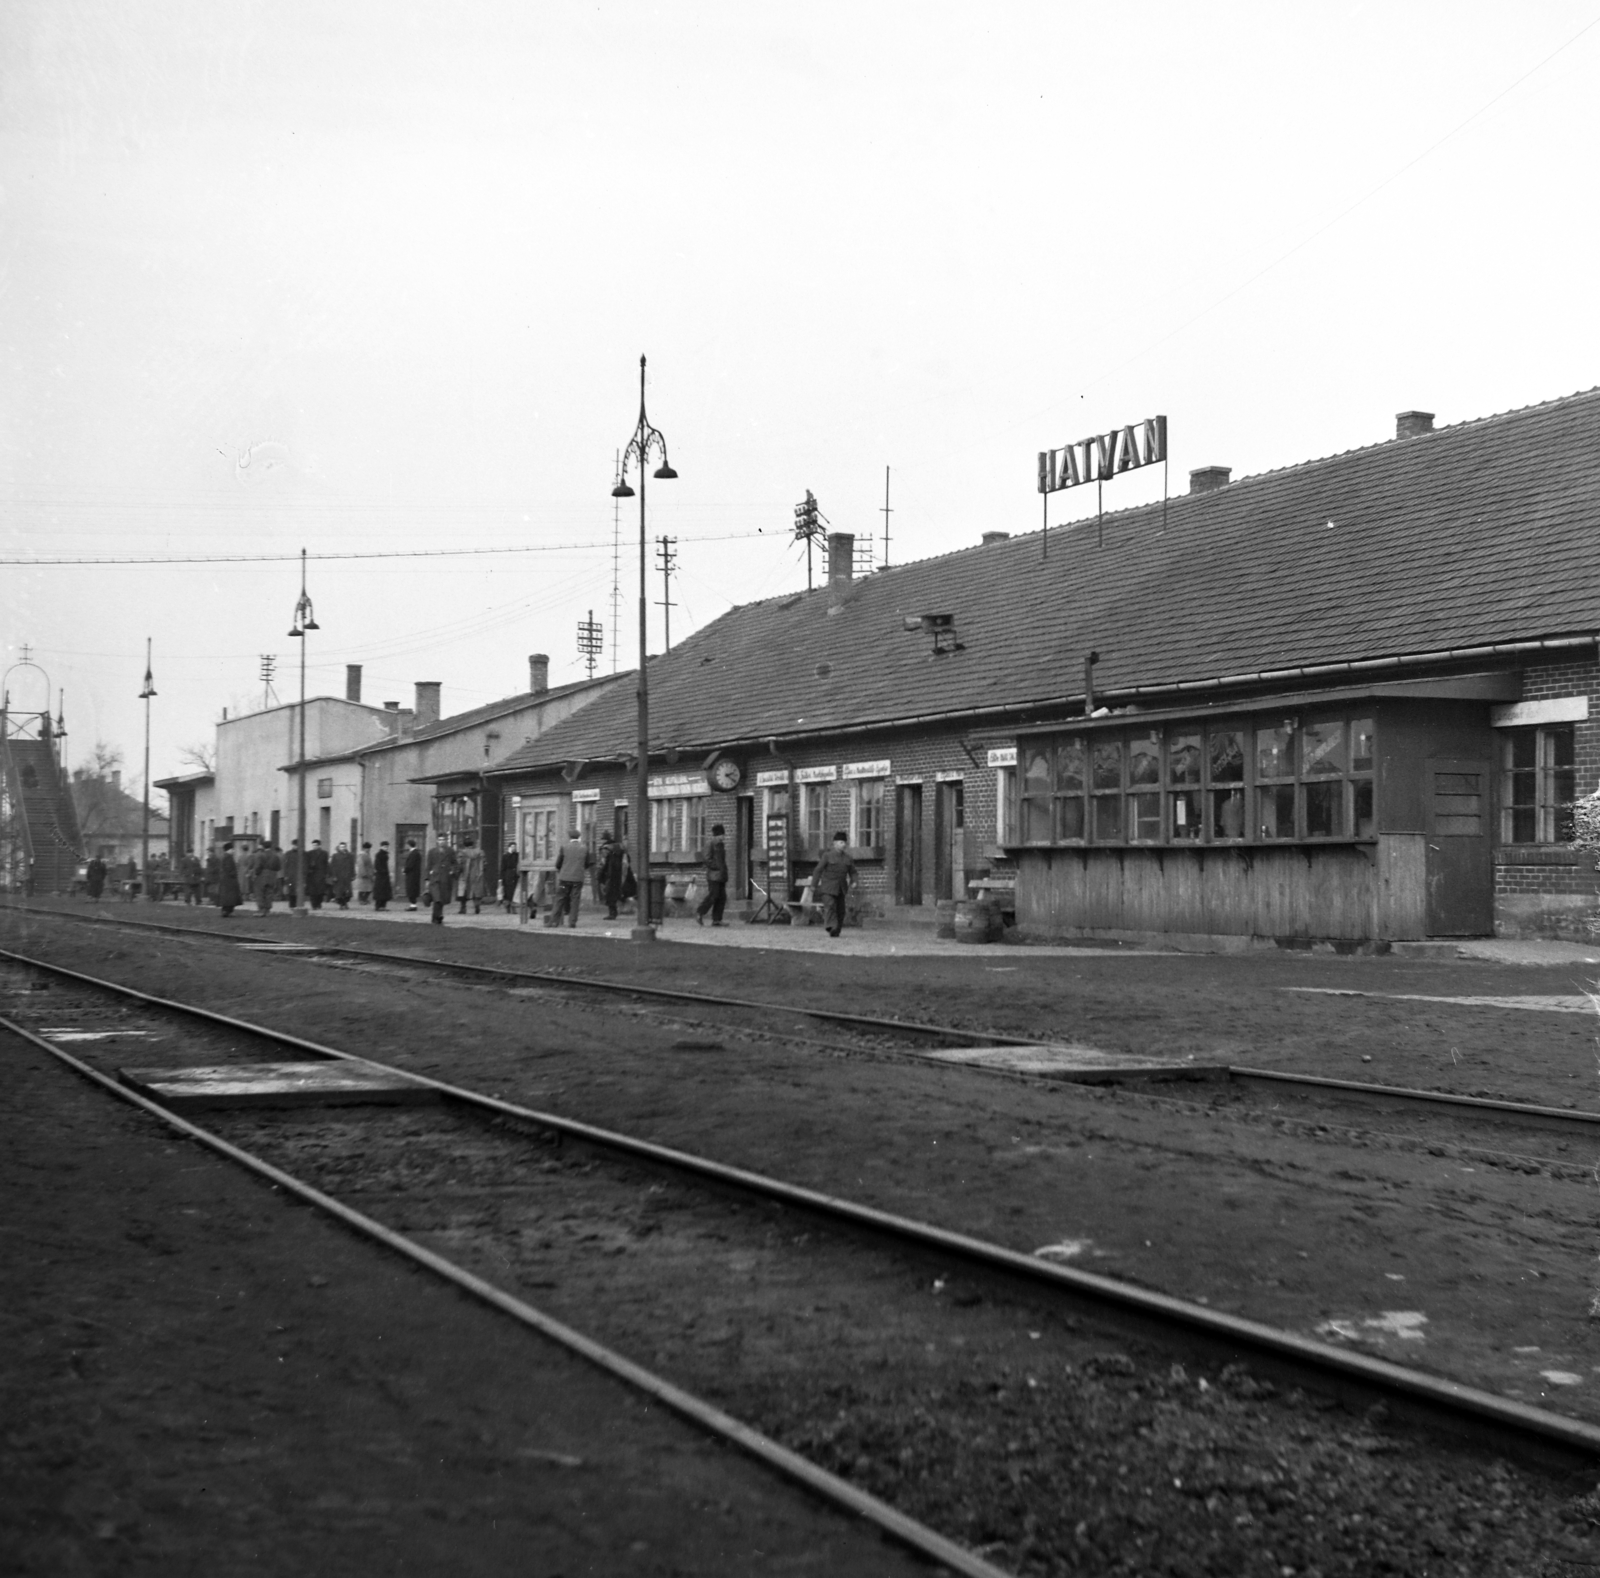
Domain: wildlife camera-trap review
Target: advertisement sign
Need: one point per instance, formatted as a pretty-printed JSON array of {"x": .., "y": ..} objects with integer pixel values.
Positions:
[{"x": 778, "y": 857}]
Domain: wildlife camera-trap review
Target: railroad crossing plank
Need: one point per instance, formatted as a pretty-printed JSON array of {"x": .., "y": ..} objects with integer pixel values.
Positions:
[
  {"x": 1087, "y": 1064},
  {"x": 276, "y": 1085}
]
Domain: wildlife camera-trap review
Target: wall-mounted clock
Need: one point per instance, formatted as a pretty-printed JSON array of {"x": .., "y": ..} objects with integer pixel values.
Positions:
[{"x": 725, "y": 774}]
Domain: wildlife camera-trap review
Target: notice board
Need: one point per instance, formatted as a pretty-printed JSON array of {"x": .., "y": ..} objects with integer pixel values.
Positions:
[{"x": 778, "y": 857}]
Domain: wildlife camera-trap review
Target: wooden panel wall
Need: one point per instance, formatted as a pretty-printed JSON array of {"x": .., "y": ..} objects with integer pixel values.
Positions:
[{"x": 1299, "y": 892}]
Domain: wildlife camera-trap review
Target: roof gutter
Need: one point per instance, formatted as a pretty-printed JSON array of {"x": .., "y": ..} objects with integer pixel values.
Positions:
[{"x": 1269, "y": 676}]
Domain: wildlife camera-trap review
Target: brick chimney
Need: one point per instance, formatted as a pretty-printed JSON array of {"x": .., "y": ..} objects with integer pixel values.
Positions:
[
  {"x": 352, "y": 682},
  {"x": 427, "y": 711},
  {"x": 1412, "y": 424},
  {"x": 1207, "y": 479},
  {"x": 995, "y": 536},
  {"x": 391, "y": 717},
  {"x": 841, "y": 555},
  {"x": 116, "y": 779},
  {"x": 538, "y": 672}
]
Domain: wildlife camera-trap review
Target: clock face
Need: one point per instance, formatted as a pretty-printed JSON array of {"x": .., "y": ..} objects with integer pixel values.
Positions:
[{"x": 725, "y": 775}]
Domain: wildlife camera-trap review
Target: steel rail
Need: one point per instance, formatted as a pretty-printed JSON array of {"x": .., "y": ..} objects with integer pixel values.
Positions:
[
  {"x": 596, "y": 983},
  {"x": 1396, "y": 1096},
  {"x": 1451, "y": 1405},
  {"x": 707, "y": 1416},
  {"x": 1581, "y": 1122}
]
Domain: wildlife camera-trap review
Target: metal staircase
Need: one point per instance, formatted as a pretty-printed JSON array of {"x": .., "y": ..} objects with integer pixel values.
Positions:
[{"x": 38, "y": 821}]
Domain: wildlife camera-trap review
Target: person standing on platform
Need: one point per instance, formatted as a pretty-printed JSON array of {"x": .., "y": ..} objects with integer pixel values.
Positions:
[
  {"x": 510, "y": 870},
  {"x": 382, "y": 885},
  {"x": 130, "y": 879},
  {"x": 571, "y": 867},
  {"x": 291, "y": 871},
  {"x": 316, "y": 874},
  {"x": 364, "y": 873},
  {"x": 442, "y": 869},
  {"x": 613, "y": 873},
  {"x": 94, "y": 878},
  {"x": 194, "y": 877},
  {"x": 213, "y": 874},
  {"x": 341, "y": 875},
  {"x": 412, "y": 869},
  {"x": 471, "y": 881},
  {"x": 269, "y": 872},
  {"x": 831, "y": 880},
  {"x": 716, "y": 879},
  {"x": 227, "y": 886}
]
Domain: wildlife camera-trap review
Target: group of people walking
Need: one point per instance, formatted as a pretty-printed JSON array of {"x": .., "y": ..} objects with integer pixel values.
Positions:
[{"x": 264, "y": 873}]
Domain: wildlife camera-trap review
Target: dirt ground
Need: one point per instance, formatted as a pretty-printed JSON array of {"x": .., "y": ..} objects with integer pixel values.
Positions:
[
  {"x": 1274, "y": 1220},
  {"x": 203, "y": 1378}
]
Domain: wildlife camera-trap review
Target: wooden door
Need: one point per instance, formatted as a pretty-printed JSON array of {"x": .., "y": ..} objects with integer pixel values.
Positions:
[
  {"x": 908, "y": 844},
  {"x": 949, "y": 842},
  {"x": 1460, "y": 872}
]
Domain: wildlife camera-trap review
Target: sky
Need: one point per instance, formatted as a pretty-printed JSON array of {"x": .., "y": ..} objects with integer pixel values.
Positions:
[{"x": 374, "y": 279}]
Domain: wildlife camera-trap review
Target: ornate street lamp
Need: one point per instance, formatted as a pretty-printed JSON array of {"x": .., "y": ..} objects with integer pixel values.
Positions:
[
  {"x": 645, "y": 440},
  {"x": 145, "y": 696},
  {"x": 304, "y": 620}
]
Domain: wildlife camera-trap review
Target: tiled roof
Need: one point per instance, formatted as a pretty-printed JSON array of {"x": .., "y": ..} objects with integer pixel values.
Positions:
[
  {"x": 475, "y": 715},
  {"x": 1479, "y": 534}
]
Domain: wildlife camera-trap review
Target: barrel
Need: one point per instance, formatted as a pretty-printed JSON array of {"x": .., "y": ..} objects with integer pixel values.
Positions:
[
  {"x": 978, "y": 920},
  {"x": 945, "y": 918}
]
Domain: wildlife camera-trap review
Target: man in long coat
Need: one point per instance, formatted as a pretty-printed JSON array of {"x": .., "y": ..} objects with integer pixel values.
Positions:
[
  {"x": 413, "y": 873},
  {"x": 316, "y": 873},
  {"x": 510, "y": 870},
  {"x": 382, "y": 887},
  {"x": 470, "y": 884},
  {"x": 342, "y": 875},
  {"x": 95, "y": 877},
  {"x": 613, "y": 873},
  {"x": 442, "y": 868},
  {"x": 269, "y": 868},
  {"x": 364, "y": 871},
  {"x": 227, "y": 887},
  {"x": 290, "y": 871}
]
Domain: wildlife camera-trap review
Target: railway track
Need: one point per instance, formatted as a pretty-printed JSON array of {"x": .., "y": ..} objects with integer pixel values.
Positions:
[
  {"x": 443, "y": 1183},
  {"x": 1354, "y": 1378},
  {"x": 1297, "y": 1096}
]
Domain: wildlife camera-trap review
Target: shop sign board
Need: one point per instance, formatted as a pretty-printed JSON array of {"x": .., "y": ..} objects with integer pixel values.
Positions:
[
  {"x": 778, "y": 857},
  {"x": 1104, "y": 456},
  {"x": 775, "y": 778},
  {"x": 586, "y": 797},
  {"x": 815, "y": 775},
  {"x": 868, "y": 769},
  {"x": 1003, "y": 756},
  {"x": 668, "y": 786}
]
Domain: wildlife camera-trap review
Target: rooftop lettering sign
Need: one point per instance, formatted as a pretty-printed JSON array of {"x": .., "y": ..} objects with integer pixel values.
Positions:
[{"x": 1104, "y": 456}]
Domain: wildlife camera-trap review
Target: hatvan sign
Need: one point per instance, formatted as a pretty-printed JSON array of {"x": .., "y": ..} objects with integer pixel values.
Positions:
[{"x": 1103, "y": 457}]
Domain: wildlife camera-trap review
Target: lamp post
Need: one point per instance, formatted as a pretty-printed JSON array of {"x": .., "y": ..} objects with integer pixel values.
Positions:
[
  {"x": 145, "y": 696},
  {"x": 645, "y": 438},
  {"x": 304, "y": 620}
]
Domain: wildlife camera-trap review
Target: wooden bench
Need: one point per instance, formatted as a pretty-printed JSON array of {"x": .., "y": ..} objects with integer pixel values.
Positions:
[{"x": 805, "y": 910}]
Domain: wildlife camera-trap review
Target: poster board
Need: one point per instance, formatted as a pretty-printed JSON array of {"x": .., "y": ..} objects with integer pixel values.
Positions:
[{"x": 777, "y": 885}]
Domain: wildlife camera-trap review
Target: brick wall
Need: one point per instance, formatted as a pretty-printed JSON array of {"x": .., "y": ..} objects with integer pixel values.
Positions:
[{"x": 1551, "y": 892}]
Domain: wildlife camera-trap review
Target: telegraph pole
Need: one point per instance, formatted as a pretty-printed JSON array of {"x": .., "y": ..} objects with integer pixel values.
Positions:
[{"x": 667, "y": 556}]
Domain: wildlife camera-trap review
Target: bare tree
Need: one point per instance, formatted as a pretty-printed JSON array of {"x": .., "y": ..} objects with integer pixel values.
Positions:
[
  {"x": 201, "y": 756},
  {"x": 93, "y": 793}
]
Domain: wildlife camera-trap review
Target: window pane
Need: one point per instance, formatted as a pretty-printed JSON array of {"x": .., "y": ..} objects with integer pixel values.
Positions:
[
  {"x": 1186, "y": 814},
  {"x": 1227, "y": 813},
  {"x": 1361, "y": 745},
  {"x": 1035, "y": 820},
  {"x": 1272, "y": 753},
  {"x": 1325, "y": 810},
  {"x": 1144, "y": 816},
  {"x": 1107, "y": 766},
  {"x": 1227, "y": 757},
  {"x": 1275, "y": 811},
  {"x": 1322, "y": 749},
  {"x": 1108, "y": 816},
  {"x": 1144, "y": 761},
  {"x": 1183, "y": 759},
  {"x": 1561, "y": 752},
  {"x": 1069, "y": 817},
  {"x": 1069, "y": 766},
  {"x": 1362, "y": 793},
  {"x": 1037, "y": 776}
]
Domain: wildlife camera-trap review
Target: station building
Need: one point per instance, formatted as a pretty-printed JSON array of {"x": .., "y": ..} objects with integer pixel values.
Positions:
[{"x": 1349, "y": 701}]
